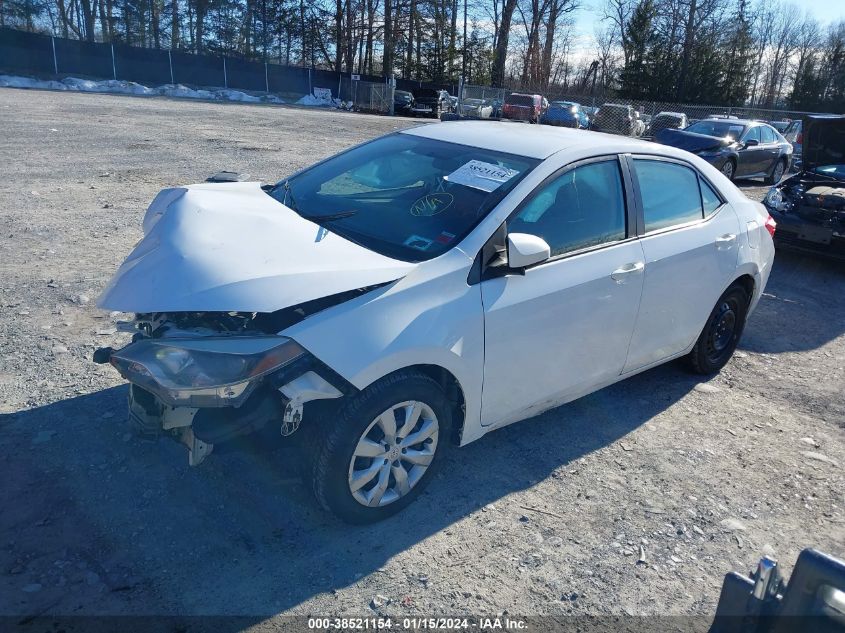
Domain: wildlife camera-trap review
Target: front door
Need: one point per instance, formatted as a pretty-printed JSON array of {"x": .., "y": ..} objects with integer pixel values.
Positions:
[
  {"x": 751, "y": 158},
  {"x": 564, "y": 327},
  {"x": 690, "y": 246}
]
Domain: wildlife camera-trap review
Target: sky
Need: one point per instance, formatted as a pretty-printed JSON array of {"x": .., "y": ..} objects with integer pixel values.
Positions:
[{"x": 587, "y": 18}]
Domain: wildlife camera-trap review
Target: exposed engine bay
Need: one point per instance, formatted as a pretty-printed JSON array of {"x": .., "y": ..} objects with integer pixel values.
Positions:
[
  {"x": 815, "y": 202},
  {"x": 810, "y": 212},
  {"x": 171, "y": 324},
  {"x": 201, "y": 413}
]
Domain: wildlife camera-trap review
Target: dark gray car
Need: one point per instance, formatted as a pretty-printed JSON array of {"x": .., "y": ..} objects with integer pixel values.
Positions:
[{"x": 738, "y": 148}]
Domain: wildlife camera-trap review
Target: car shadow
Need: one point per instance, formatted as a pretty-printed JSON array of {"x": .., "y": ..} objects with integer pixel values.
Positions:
[
  {"x": 801, "y": 307},
  {"x": 239, "y": 535},
  {"x": 109, "y": 524}
]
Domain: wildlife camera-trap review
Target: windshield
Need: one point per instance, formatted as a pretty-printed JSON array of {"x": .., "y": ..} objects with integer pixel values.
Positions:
[
  {"x": 720, "y": 129},
  {"x": 404, "y": 196},
  {"x": 667, "y": 118}
]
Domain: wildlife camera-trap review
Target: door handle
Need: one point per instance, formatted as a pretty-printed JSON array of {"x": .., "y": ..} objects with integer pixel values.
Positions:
[
  {"x": 725, "y": 241},
  {"x": 619, "y": 275}
]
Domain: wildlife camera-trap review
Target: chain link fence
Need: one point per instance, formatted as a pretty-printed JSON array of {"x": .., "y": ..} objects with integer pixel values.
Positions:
[
  {"x": 629, "y": 117},
  {"x": 365, "y": 96},
  {"x": 43, "y": 55},
  {"x": 38, "y": 55}
]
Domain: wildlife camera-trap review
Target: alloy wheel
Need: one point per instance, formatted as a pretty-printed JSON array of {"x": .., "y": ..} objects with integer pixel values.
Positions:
[
  {"x": 728, "y": 170},
  {"x": 777, "y": 174},
  {"x": 393, "y": 453}
]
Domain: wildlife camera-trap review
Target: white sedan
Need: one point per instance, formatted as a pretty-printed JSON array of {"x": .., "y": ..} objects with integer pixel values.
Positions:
[{"x": 426, "y": 288}]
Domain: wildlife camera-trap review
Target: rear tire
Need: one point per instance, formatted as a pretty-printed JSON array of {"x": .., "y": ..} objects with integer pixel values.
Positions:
[
  {"x": 777, "y": 173},
  {"x": 721, "y": 334},
  {"x": 354, "y": 446}
]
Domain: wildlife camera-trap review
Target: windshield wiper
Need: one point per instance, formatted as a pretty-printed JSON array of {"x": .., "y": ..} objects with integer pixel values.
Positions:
[{"x": 330, "y": 216}]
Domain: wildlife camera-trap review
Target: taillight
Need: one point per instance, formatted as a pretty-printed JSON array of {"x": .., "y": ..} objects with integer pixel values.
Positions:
[
  {"x": 800, "y": 138},
  {"x": 770, "y": 225}
]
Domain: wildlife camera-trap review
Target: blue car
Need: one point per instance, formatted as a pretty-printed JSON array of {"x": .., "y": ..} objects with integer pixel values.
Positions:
[{"x": 567, "y": 114}]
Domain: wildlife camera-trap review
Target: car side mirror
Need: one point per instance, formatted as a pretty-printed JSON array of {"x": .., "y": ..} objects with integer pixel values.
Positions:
[
  {"x": 751, "y": 142},
  {"x": 526, "y": 250}
]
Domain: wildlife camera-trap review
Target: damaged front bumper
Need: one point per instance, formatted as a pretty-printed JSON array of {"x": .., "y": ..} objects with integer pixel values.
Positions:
[{"x": 175, "y": 391}]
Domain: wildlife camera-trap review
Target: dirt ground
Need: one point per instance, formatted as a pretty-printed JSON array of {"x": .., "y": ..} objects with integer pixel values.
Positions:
[{"x": 548, "y": 516}]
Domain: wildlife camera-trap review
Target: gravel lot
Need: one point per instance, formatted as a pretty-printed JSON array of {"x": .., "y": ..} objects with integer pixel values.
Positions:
[{"x": 549, "y": 516}]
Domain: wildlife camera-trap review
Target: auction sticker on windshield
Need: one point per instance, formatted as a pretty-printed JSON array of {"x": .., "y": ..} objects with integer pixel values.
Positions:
[
  {"x": 417, "y": 242},
  {"x": 480, "y": 175}
]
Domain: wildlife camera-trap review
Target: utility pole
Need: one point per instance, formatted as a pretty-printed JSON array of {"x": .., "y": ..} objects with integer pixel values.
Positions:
[{"x": 464, "y": 61}]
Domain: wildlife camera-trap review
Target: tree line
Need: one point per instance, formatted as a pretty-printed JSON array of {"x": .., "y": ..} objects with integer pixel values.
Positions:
[{"x": 756, "y": 52}]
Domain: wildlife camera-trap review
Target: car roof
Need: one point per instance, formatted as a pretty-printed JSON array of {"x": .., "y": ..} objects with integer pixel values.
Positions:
[
  {"x": 532, "y": 141},
  {"x": 736, "y": 121}
]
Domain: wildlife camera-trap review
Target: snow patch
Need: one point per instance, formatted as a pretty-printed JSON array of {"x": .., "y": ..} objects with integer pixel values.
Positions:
[
  {"x": 9, "y": 81},
  {"x": 117, "y": 86},
  {"x": 311, "y": 100}
]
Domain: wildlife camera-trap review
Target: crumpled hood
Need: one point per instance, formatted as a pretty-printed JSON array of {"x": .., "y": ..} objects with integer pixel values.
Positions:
[
  {"x": 230, "y": 247},
  {"x": 690, "y": 141}
]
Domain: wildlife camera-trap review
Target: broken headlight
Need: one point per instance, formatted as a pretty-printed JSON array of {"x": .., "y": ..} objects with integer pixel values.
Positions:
[
  {"x": 203, "y": 372},
  {"x": 776, "y": 200}
]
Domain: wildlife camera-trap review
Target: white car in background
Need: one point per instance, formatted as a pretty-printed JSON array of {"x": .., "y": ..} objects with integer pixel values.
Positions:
[{"x": 428, "y": 287}]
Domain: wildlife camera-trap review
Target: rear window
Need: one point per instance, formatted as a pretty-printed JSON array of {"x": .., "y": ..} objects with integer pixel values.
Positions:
[
  {"x": 768, "y": 134},
  {"x": 717, "y": 128},
  {"x": 522, "y": 100}
]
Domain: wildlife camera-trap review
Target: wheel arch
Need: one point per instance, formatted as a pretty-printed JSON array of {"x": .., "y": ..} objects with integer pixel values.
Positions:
[
  {"x": 451, "y": 387},
  {"x": 748, "y": 283}
]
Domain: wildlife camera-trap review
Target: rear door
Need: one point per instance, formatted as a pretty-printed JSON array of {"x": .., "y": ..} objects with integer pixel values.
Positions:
[
  {"x": 771, "y": 147},
  {"x": 563, "y": 328},
  {"x": 689, "y": 240}
]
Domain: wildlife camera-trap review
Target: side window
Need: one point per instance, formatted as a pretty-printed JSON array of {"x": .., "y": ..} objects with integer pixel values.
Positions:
[
  {"x": 709, "y": 198},
  {"x": 768, "y": 134},
  {"x": 669, "y": 192},
  {"x": 752, "y": 134},
  {"x": 583, "y": 207}
]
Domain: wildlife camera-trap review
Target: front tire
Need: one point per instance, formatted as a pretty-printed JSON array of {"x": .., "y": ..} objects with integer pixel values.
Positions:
[
  {"x": 381, "y": 448},
  {"x": 729, "y": 169},
  {"x": 721, "y": 333}
]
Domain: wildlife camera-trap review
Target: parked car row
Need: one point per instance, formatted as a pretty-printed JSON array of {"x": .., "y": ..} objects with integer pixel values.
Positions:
[
  {"x": 422, "y": 102},
  {"x": 434, "y": 103},
  {"x": 737, "y": 147}
]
